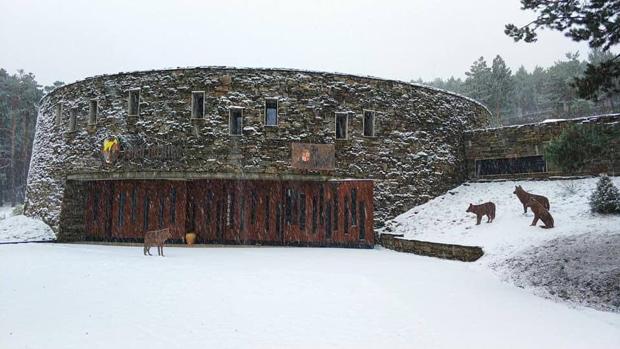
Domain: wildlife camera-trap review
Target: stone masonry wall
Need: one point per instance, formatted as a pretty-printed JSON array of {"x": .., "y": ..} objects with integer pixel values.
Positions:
[
  {"x": 530, "y": 140},
  {"x": 417, "y": 152}
]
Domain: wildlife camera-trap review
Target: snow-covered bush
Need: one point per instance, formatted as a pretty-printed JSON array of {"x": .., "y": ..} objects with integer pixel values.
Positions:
[
  {"x": 605, "y": 198},
  {"x": 18, "y": 210}
]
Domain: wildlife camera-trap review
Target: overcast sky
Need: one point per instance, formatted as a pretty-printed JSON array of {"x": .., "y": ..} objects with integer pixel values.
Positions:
[{"x": 71, "y": 40}]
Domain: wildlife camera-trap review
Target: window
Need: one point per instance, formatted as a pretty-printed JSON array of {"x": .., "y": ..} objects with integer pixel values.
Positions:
[
  {"x": 353, "y": 207},
  {"x": 271, "y": 112},
  {"x": 369, "y": 123},
  {"x": 145, "y": 211},
  {"x": 236, "y": 121},
  {"x": 525, "y": 164},
  {"x": 73, "y": 120},
  {"x": 134, "y": 204},
  {"x": 342, "y": 123},
  {"x": 362, "y": 220},
  {"x": 198, "y": 104},
  {"x": 173, "y": 206},
  {"x": 121, "y": 209},
  {"x": 302, "y": 211},
  {"x": 231, "y": 208},
  {"x": 314, "y": 214},
  {"x": 161, "y": 211},
  {"x": 58, "y": 114},
  {"x": 288, "y": 206},
  {"x": 92, "y": 112},
  {"x": 267, "y": 213},
  {"x": 134, "y": 103},
  {"x": 253, "y": 209}
]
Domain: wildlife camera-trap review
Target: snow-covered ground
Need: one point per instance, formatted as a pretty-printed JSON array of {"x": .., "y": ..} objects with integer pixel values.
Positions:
[
  {"x": 5, "y": 212},
  {"x": 21, "y": 228},
  {"x": 576, "y": 261},
  {"x": 88, "y": 296}
]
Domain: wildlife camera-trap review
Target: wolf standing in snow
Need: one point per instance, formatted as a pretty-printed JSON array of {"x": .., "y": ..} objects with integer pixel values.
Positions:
[
  {"x": 158, "y": 238},
  {"x": 540, "y": 212},
  {"x": 524, "y": 197},
  {"x": 488, "y": 209}
]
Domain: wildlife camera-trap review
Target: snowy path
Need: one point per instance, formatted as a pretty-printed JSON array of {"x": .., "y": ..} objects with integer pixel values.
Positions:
[{"x": 86, "y": 296}]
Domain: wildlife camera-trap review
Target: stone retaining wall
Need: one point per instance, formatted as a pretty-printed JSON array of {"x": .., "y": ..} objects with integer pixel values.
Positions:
[
  {"x": 531, "y": 140},
  {"x": 431, "y": 249}
]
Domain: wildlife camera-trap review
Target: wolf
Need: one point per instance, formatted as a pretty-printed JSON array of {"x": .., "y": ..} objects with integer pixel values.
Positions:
[
  {"x": 158, "y": 238},
  {"x": 524, "y": 197},
  {"x": 488, "y": 209}
]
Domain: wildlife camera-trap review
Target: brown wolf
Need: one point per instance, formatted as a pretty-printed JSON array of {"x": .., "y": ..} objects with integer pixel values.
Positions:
[
  {"x": 524, "y": 197},
  {"x": 540, "y": 212},
  {"x": 158, "y": 238},
  {"x": 488, "y": 209}
]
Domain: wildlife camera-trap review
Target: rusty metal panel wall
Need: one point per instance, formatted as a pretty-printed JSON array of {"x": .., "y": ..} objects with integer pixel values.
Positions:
[
  {"x": 124, "y": 210},
  {"x": 300, "y": 213}
]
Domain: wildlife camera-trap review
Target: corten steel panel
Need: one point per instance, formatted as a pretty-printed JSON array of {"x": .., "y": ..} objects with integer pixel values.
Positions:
[
  {"x": 300, "y": 213},
  {"x": 124, "y": 210},
  {"x": 308, "y": 156}
]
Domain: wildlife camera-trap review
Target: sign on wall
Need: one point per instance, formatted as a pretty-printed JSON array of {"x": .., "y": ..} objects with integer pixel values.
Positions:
[{"x": 307, "y": 156}]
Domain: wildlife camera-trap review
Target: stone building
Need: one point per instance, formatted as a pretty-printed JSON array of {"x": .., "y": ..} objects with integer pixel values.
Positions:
[{"x": 282, "y": 156}]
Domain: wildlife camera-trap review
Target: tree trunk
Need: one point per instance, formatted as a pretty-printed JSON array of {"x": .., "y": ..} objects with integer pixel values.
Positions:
[{"x": 12, "y": 163}]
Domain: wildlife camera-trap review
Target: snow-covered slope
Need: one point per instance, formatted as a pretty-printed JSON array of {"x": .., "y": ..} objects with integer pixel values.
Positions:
[
  {"x": 21, "y": 229},
  {"x": 444, "y": 219},
  {"x": 576, "y": 261}
]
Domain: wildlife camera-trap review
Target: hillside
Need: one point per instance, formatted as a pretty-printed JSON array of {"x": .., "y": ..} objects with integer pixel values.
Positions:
[{"x": 574, "y": 261}]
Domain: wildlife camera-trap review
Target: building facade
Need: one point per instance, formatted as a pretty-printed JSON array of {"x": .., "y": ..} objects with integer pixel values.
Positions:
[{"x": 243, "y": 155}]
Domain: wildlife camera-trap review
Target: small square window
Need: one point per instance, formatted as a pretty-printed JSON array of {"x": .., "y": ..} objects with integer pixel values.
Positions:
[
  {"x": 134, "y": 103},
  {"x": 73, "y": 120},
  {"x": 369, "y": 123},
  {"x": 198, "y": 104},
  {"x": 92, "y": 113},
  {"x": 271, "y": 112},
  {"x": 342, "y": 125},
  {"x": 58, "y": 117},
  {"x": 236, "y": 121}
]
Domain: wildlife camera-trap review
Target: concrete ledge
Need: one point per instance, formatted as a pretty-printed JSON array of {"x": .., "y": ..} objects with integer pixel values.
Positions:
[{"x": 431, "y": 249}]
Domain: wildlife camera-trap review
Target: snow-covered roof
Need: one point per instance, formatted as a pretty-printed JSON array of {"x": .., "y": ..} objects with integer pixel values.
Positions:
[
  {"x": 314, "y": 72},
  {"x": 583, "y": 119}
]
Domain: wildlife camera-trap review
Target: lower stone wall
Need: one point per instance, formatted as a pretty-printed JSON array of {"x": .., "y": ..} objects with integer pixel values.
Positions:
[
  {"x": 431, "y": 249},
  {"x": 71, "y": 225},
  {"x": 530, "y": 140}
]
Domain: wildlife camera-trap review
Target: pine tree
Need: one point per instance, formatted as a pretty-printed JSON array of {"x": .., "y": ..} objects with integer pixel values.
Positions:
[{"x": 606, "y": 197}]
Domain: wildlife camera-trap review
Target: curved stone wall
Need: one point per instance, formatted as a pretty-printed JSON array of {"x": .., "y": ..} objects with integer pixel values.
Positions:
[{"x": 417, "y": 152}]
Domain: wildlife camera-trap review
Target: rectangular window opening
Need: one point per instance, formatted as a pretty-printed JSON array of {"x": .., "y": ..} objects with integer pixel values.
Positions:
[
  {"x": 314, "y": 214},
  {"x": 231, "y": 209},
  {"x": 134, "y": 103},
  {"x": 134, "y": 204},
  {"x": 236, "y": 121},
  {"x": 92, "y": 112},
  {"x": 342, "y": 125},
  {"x": 253, "y": 208},
  {"x": 173, "y": 206},
  {"x": 369, "y": 123},
  {"x": 271, "y": 112},
  {"x": 121, "y": 210},
  {"x": 198, "y": 104},
  {"x": 267, "y": 214},
  {"x": 302, "y": 211},
  {"x": 58, "y": 114},
  {"x": 525, "y": 164},
  {"x": 73, "y": 120},
  {"x": 353, "y": 207}
]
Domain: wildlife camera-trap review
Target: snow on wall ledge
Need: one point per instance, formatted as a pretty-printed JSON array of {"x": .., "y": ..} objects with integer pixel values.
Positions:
[{"x": 417, "y": 152}]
